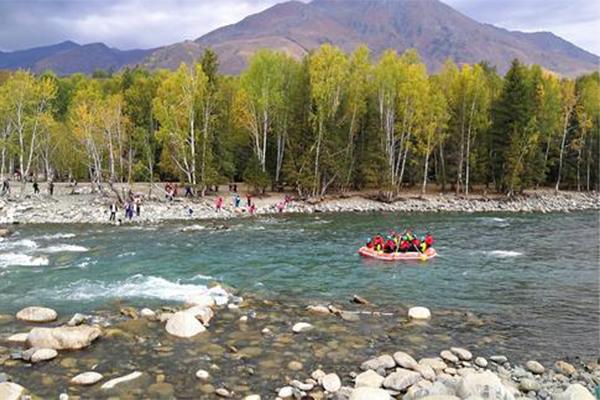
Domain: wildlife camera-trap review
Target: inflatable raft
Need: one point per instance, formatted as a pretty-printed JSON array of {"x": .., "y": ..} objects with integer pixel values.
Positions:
[{"x": 413, "y": 255}]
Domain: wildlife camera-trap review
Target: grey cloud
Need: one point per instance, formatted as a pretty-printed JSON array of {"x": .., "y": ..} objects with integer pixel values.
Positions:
[{"x": 152, "y": 23}]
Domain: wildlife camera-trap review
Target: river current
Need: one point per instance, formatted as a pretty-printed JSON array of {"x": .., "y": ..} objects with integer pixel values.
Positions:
[{"x": 535, "y": 277}]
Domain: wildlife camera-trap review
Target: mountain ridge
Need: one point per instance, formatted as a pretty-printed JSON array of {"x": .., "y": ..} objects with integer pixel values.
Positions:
[{"x": 435, "y": 29}]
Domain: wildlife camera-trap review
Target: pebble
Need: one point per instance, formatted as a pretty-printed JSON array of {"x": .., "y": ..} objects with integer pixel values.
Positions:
[
  {"x": 87, "y": 378},
  {"x": 405, "y": 360},
  {"x": 481, "y": 362},
  {"x": 499, "y": 359},
  {"x": 331, "y": 383},
  {"x": 401, "y": 379},
  {"x": 305, "y": 387},
  {"x": 286, "y": 392},
  {"x": 419, "y": 313},
  {"x": 18, "y": 338},
  {"x": 463, "y": 354},
  {"x": 252, "y": 397},
  {"x": 449, "y": 356},
  {"x": 384, "y": 361},
  {"x": 43, "y": 355},
  {"x": 76, "y": 319},
  {"x": 317, "y": 375},
  {"x": 565, "y": 368},
  {"x": 535, "y": 367},
  {"x": 295, "y": 366},
  {"x": 202, "y": 374},
  {"x": 529, "y": 385},
  {"x": 369, "y": 378},
  {"x": 184, "y": 325},
  {"x": 222, "y": 392},
  {"x": 244, "y": 318},
  {"x": 302, "y": 327},
  {"x": 318, "y": 309}
]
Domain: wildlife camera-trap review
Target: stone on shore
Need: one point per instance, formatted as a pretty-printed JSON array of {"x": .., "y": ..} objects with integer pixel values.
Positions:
[
  {"x": 565, "y": 368},
  {"x": 481, "y": 362},
  {"x": 43, "y": 355},
  {"x": 318, "y": 309},
  {"x": 436, "y": 363},
  {"x": 184, "y": 325},
  {"x": 37, "y": 314},
  {"x": 202, "y": 374},
  {"x": 369, "y": 393},
  {"x": 535, "y": 367},
  {"x": 401, "y": 379},
  {"x": 384, "y": 361},
  {"x": 331, "y": 383},
  {"x": 17, "y": 338},
  {"x": 369, "y": 378},
  {"x": 419, "y": 313},
  {"x": 529, "y": 385},
  {"x": 486, "y": 385},
  {"x": 64, "y": 337},
  {"x": 463, "y": 354},
  {"x": 426, "y": 371},
  {"x": 499, "y": 359},
  {"x": 87, "y": 378},
  {"x": 252, "y": 397},
  {"x": 575, "y": 392},
  {"x": 285, "y": 392},
  {"x": 117, "y": 381},
  {"x": 11, "y": 391},
  {"x": 447, "y": 355},
  {"x": 405, "y": 360},
  {"x": 301, "y": 327}
]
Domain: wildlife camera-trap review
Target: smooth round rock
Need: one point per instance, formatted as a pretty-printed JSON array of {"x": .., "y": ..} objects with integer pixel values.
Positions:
[
  {"x": 202, "y": 374},
  {"x": 481, "y": 362},
  {"x": 331, "y": 383},
  {"x": 252, "y": 397},
  {"x": 447, "y": 355},
  {"x": 295, "y": 366},
  {"x": 419, "y": 313},
  {"x": 37, "y": 314},
  {"x": 463, "y": 354},
  {"x": 18, "y": 338},
  {"x": 87, "y": 378},
  {"x": 565, "y": 368},
  {"x": 405, "y": 360},
  {"x": 529, "y": 385},
  {"x": 301, "y": 327},
  {"x": 286, "y": 392},
  {"x": 535, "y": 367},
  {"x": 369, "y": 378},
  {"x": 43, "y": 355}
]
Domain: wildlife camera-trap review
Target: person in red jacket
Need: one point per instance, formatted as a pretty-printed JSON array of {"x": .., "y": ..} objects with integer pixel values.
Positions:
[{"x": 429, "y": 240}]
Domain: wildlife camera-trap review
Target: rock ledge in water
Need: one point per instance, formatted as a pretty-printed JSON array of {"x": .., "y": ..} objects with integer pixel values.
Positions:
[{"x": 64, "y": 337}]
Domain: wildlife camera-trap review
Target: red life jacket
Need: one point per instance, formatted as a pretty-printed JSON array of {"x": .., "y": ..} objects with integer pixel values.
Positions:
[{"x": 429, "y": 240}]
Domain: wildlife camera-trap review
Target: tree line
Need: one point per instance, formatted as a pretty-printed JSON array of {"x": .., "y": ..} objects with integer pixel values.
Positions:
[{"x": 331, "y": 122}]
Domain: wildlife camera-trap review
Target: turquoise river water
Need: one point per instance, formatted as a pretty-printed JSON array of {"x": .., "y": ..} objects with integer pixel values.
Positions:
[{"x": 536, "y": 276}]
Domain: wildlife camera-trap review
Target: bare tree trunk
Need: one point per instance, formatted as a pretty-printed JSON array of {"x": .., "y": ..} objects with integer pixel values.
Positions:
[
  {"x": 562, "y": 148},
  {"x": 317, "y": 155}
]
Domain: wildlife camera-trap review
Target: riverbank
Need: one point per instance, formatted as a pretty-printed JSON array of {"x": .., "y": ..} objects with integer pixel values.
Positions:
[
  {"x": 80, "y": 206},
  {"x": 220, "y": 344}
]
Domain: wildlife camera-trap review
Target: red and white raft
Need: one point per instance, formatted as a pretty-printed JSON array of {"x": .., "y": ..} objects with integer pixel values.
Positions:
[{"x": 411, "y": 255}]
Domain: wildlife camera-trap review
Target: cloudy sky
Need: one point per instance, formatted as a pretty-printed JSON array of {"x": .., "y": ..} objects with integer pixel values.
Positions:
[{"x": 150, "y": 23}]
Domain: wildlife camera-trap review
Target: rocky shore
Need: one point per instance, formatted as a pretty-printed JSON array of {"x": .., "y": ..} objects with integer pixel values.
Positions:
[
  {"x": 220, "y": 345},
  {"x": 93, "y": 208}
]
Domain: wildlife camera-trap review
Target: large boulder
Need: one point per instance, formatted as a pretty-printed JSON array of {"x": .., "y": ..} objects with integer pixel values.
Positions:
[
  {"x": 401, "y": 379},
  {"x": 184, "y": 325},
  {"x": 37, "y": 314},
  {"x": 368, "y": 393},
  {"x": 575, "y": 392},
  {"x": 486, "y": 385},
  {"x": 11, "y": 391},
  {"x": 63, "y": 337}
]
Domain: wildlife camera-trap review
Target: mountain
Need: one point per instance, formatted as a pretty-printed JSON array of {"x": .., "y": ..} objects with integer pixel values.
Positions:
[
  {"x": 436, "y": 30},
  {"x": 69, "y": 57}
]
